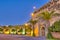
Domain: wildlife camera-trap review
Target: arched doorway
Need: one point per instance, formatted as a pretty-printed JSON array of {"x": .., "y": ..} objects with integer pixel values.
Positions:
[{"x": 43, "y": 31}]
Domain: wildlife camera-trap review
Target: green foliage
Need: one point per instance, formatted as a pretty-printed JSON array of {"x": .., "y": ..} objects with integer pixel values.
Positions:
[
  {"x": 1, "y": 29},
  {"x": 33, "y": 21},
  {"x": 20, "y": 30},
  {"x": 10, "y": 26},
  {"x": 4, "y": 27},
  {"x": 13, "y": 30},
  {"x": 17, "y": 27},
  {"x": 51, "y": 28},
  {"x": 49, "y": 35},
  {"x": 55, "y": 27},
  {"x": 47, "y": 15},
  {"x": 7, "y": 30},
  {"x": 28, "y": 30}
]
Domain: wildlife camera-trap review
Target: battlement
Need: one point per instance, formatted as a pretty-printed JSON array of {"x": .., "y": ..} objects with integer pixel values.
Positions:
[{"x": 54, "y": 0}]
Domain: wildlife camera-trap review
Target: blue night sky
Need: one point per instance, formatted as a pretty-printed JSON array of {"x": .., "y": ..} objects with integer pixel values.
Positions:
[{"x": 14, "y": 12}]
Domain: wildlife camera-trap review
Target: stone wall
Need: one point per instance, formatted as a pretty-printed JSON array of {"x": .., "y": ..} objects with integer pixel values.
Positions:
[{"x": 50, "y": 6}]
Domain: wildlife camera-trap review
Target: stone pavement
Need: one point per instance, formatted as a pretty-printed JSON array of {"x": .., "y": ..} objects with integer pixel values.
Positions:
[{"x": 19, "y": 37}]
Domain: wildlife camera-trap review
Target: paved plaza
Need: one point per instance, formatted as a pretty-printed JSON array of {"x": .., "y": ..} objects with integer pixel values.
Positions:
[{"x": 19, "y": 37}]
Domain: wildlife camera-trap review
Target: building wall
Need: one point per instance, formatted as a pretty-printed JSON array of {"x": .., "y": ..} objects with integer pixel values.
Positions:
[{"x": 52, "y": 5}]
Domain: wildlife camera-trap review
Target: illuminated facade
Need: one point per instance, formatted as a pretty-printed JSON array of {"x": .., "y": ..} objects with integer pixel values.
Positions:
[
  {"x": 50, "y": 6},
  {"x": 39, "y": 27}
]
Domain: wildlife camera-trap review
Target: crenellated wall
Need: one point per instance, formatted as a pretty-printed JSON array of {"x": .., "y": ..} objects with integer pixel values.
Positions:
[{"x": 50, "y": 6}]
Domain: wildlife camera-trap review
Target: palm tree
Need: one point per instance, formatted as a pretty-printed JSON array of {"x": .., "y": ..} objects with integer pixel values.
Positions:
[
  {"x": 13, "y": 31},
  {"x": 6, "y": 30},
  {"x": 47, "y": 16},
  {"x": 17, "y": 27},
  {"x": 33, "y": 22},
  {"x": 27, "y": 28},
  {"x": 1, "y": 30},
  {"x": 20, "y": 31},
  {"x": 10, "y": 28}
]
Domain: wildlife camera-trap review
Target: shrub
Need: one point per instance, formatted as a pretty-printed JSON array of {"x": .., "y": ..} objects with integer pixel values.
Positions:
[{"x": 55, "y": 27}]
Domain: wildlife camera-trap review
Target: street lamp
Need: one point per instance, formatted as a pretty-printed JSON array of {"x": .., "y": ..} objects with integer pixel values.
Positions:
[
  {"x": 34, "y": 9},
  {"x": 32, "y": 14},
  {"x": 26, "y": 24}
]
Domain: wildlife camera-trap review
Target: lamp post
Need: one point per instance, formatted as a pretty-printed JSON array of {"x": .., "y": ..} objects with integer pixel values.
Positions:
[
  {"x": 26, "y": 24},
  {"x": 32, "y": 16}
]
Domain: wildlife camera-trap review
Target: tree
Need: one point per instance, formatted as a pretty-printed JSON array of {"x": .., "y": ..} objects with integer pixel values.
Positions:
[
  {"x": 47, "y": 16},
  {"x": 10, "y": 26},
  {"x": 1, "y": 30},
  {"x": 33, "y": 22},
  {"x": 4, "y": 27},
  {"x": 57, "y": 26},
  {"x": 27, "y": 28},
  {"x": 17, "y": 26}
]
